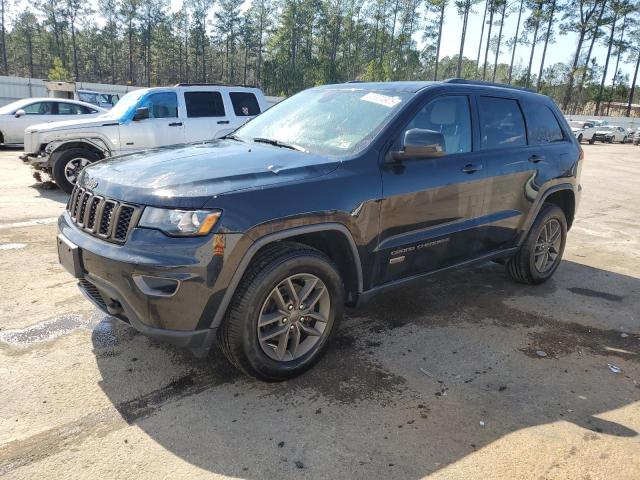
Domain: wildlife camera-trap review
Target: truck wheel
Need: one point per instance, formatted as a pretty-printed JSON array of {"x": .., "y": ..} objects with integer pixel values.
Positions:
[
  {"x": 541, "y": 252},
  {"x": 580, "y": 138},
  {"x": 69, "y": 164},
  {"x": 283, "y": 313}
]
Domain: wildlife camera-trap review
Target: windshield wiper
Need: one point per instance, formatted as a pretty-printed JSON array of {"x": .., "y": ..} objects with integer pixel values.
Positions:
[
  {"x": 278, "y": 143},
  {"x": 231, "y": 136}
]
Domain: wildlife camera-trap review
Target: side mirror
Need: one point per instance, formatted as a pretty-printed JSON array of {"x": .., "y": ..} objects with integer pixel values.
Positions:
[
  {"x": 142, "y": 113},
  {"x": 20, "y": 113},
  {"x": 419, "y": 143}
]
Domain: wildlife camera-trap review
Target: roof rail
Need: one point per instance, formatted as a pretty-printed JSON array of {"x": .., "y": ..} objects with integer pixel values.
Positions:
[
  {"x": 463, "y": 81},
  {"x": 214, "y": 84}
]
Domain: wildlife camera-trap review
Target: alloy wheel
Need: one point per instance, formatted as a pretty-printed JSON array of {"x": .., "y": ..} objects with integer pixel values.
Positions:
[
  {"x": 293, "y": 318},
  {"x": 548, "y": 246},
  {"x": 73, "y": 168}
]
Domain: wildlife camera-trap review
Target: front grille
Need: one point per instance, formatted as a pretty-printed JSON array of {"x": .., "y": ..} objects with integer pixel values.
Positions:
[{"x": 102, "y": 217}]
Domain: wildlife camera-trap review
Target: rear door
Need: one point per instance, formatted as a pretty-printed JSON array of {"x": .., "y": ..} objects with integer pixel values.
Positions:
[
  {"x": 431, "y": 206},
  {"x": 245, "y": 106},
  {"x": 206, "y": 114},
  {"x": 524, "y": 146},
  {"x": 163, "y": 127}
]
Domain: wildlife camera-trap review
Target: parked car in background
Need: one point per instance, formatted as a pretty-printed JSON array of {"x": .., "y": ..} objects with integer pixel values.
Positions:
[
  {"x": 329, "y": 198},
  {"x": 583, "y": 130},
  {"x": 636, "y": 137},
  {"x": 103, "y": 100},
  {"x": 17, "y": 116},
  {"x": 610, "y": 134},
  {"x": 145, "y": 118}
]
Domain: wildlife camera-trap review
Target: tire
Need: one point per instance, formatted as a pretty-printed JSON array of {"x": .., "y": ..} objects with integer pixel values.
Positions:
[
  {"x": 580, "y": 138},
  {"x": 60, "y": 173},
  {"x": 592, "y": 141},
  {"x": 242, "y": 340},
  {"x": 522, "y": 267}
]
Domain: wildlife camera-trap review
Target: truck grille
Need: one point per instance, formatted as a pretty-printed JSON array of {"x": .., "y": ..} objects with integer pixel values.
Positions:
[{"x": 102, "y": 217}]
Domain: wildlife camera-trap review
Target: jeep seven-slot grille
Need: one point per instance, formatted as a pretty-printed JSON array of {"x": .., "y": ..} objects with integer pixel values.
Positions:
[{"x": 102, "y": 217}]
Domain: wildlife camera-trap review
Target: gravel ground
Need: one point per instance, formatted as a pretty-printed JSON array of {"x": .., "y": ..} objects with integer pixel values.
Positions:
[{"x": 442, "y": 380}]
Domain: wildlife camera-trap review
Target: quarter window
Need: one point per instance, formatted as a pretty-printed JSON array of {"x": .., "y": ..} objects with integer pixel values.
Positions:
[
  {"x": 501, "y": 123},
  {"x": 449, "y": 116},
  {"x": 161, "y": 105},
  {"x": 204, "y": 104},
  {"x": 542, "y": 125},
  {"x": 244, "y": 104}
]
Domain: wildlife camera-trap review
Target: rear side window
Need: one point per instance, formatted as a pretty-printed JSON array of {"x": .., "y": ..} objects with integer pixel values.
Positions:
[
  {"x": 244, "y": 104},
  {"x": 542, "y": 125},
  {"x": 71, "y": 109},
  {"x": 204, "y": 104},
  {"x": 501, "y": 123}
]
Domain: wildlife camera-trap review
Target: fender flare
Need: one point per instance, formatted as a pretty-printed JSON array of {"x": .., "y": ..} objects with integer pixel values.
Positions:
[
  {"x": 54, "y": 147},
  {"x": 274, "y": 237},
  {"x": 535, "y": 210}
]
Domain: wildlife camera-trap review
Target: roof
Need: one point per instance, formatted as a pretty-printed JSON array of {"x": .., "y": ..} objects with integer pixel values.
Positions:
[{"x": 417, "y": 85}]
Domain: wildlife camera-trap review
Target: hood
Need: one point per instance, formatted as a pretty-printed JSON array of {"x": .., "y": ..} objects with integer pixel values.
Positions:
[
  {"x": 90, "y": 122},
  {"x": 575, "y": 129},
  {"x": 188, "y": 176}
]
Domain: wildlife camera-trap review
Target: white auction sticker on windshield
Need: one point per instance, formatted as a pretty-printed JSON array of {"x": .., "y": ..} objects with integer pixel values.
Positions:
[{"x": 380, "y": 99}]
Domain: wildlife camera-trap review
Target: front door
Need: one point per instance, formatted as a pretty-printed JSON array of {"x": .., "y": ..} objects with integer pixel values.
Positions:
[
  {"x": 163, "y": 127},
  {"x": 431, "y": 206}
]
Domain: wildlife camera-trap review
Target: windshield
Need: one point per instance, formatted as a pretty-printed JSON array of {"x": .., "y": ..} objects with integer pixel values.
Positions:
[
  {"x": 121, "y": 109},
  {"x": 576, "y": 124},
  {"x": 326, "y": 121}
]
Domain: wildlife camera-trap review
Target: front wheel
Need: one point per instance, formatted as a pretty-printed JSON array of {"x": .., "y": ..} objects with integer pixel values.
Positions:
[
  {"x": 69, "y": 164},
  {"x": 283, "y": 313},
  {"x": 580, "y": 138},
  {"x": 541, "y": 252}
]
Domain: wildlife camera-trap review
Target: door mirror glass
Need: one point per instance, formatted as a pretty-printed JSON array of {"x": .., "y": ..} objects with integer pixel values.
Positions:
[
  {"x": 20, "y": 113},
  {"x": 420, "y": 143},
  {"x": 142, "y": 113}
]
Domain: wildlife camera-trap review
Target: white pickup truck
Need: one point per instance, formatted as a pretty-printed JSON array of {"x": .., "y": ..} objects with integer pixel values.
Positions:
[
  {"x": 583, "y": 130},
  {"x": 145, "y": 118}
]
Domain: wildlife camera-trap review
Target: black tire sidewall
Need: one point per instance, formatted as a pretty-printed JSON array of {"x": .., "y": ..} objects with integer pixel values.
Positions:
[
  {"x": 62, "y": 161},
  {"x": 550, "y": 212},
  {"x": 261, "y": 286}
]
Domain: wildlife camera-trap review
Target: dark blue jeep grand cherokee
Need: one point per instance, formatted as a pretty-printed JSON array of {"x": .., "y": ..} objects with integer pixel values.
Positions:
[{"x": 258, "y": 240}]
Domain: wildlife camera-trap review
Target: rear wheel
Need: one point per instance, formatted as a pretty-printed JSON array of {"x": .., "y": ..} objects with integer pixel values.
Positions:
[
  {"x": 69, "y": 164},
  {"x": 541, "y": 252},
  {"x": 592, "y": 141},
  {"x": 283, "y": 313}
]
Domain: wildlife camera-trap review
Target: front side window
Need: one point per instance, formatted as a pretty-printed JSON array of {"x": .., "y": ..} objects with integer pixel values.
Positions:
[
  {"x": 449, "y": 116},
  {"x": 204, "y": 104},
  {"x": 40, "y": 108},
  {"x": 161, "y": 105},
  {"x": 336, "y": 121},
  {"x": 244, "y": 104},
  {"x": 501, "y": 123},
  {"x": 542, "y": 125}
]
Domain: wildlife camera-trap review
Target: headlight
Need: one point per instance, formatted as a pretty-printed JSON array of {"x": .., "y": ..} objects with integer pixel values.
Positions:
[{"x": 181, "y": 223}]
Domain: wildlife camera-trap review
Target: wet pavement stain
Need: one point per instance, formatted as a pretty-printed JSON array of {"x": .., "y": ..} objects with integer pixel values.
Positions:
[
  {"x": 587, "y": 292},
  {"x": 49, "y": 329}
]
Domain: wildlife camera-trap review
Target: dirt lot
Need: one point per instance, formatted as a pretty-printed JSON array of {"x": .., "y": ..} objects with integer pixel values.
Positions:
[{"x": 449, "y": 386}]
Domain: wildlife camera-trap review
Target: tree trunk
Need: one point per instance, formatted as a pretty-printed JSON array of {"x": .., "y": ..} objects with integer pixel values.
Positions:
[
  {"x": 75, "y": 50},
  {"x": 5, "y": 64},
  {"x": 615, "y": 70},
  {"x": 606, "y": 64},
  {"x": 546, "y": 43},
  {"x": 533, "y": 47},
  {"x": 486, "y": 50},
  {"x": 462, "y": 37},
  {"x": 495, "y": 61},
  {"x": 130, "y": 51},
  {"x": 441, "y": 21},
  {"x": 515, "y": 42},
  {"x": 594, "y": 37},
  {"x": 484, "y": 18},
  {"x": 633, "y": 85},
  {"x": 572, "y": 73}
]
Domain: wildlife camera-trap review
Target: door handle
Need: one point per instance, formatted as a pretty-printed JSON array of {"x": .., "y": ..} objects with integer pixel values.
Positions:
[
  {"x": 536, "y": 158},
  {"x": 223, "y": 122},
  {"x": 471, "y": 168},
  {"x": 175, "y": 124}
]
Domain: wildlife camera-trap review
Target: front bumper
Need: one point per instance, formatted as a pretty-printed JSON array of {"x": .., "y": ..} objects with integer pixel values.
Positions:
[
  {"x": 113, "y": 278},
  {"x": 598, "y": 137}
]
